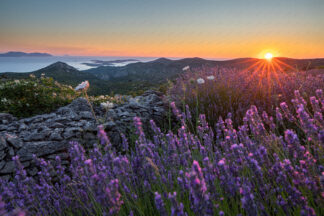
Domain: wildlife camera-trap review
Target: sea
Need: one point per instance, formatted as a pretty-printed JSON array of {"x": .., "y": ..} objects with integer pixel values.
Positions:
[{"x": 29, "y": 64}]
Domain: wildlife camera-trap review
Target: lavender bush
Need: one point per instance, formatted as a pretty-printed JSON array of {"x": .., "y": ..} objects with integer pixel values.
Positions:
[
  {"x": 246, "y": 170},
  {"x": 220, "y": 91}
]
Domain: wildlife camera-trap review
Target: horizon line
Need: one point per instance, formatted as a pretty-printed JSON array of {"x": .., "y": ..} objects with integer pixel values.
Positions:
[{"x": 157, "y": 57}]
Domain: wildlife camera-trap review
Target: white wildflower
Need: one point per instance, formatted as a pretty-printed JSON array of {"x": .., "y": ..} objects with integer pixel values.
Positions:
[
  {"x": 4, "y": 100},
  {"x": 186, "y": 68},
  {"x": 32, "y": 76},
  {"x": 210, "y": 77},
  {"x": 200, "y": 81},
  {"x": 83, "y": 86},
  {"x": 17, "y": 81},
  {"x": 54, "y": 94},
  {"x": 42, "y": 74},
  {"x": 107, "y": 105}
]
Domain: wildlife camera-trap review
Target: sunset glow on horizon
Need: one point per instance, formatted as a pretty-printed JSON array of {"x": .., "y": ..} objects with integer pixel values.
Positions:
[{"x": 207, "y": 29}]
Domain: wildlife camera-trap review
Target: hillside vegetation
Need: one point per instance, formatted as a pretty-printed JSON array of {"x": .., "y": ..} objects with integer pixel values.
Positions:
[
  {"x": 237, "y": 159},
  {"x": 135, "y": 78},
  {"x": 27, "y": 97}
]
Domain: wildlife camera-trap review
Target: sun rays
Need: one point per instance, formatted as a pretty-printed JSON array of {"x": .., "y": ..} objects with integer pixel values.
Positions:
[{"x": 266, "y": 71}]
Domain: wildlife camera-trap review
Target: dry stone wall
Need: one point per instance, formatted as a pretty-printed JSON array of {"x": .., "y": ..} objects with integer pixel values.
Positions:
[{"x": 49, "y": 135}]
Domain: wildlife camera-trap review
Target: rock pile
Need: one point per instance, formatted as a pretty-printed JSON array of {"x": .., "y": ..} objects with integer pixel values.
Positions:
[{"x": 49, "y": 135}]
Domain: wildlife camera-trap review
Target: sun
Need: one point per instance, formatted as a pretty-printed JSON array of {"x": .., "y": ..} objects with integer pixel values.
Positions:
[{"x": 268, "y": 56}]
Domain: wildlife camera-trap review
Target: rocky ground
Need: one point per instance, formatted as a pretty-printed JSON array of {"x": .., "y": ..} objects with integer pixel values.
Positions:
[{"x": 49, "y": 135}]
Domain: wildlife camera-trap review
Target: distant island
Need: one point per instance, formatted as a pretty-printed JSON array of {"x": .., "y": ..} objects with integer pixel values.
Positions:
[{"x": 23, "y": 54}]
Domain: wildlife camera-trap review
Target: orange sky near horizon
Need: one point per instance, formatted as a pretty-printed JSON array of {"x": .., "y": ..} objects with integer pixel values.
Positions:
[{"x": 221, "y": 47}]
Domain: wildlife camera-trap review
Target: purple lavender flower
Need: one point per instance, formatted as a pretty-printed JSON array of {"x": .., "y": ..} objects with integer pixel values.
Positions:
[
  {"x": 114, "y": 197},
  {"x": 103, "y": 136},
  {"x": 160, "y": 204},
  {"x": 176, "y": 208},
  {"x": 198, "y": 190}
]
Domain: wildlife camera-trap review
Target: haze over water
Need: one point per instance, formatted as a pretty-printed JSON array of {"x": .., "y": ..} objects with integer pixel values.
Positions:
[{"x": 29, "y": 64}]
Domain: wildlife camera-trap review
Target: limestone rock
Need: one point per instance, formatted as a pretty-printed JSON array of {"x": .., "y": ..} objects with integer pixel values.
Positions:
[
  {"x": 9, "y": 167},
  {"x": 3, "y": 143},
  {"x": 40, "y": 149},
  {"x": 2, "y": 155},
  {"x": 15, "y": 142}
]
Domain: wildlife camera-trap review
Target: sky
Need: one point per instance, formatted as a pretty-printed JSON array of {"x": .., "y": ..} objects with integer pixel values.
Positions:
[{"x": 164, "y": 28}]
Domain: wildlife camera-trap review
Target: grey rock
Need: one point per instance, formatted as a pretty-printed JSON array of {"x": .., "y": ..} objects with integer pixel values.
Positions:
[
  {"x": 79, "y": 105},
  {"x": 62, "y": 156},
  {"x": 65, "y": 162},
  {"x": 35, "y": 126},
  {"x": 75, "y": 117},
  {"x": 64, "y": 111},
  {"x": 38, "y": 119},
  {"x": 6, "y": 117},
  {"x": 74, "y": 124},
  {"x": 8, "y": 168},
  {"x": 86, "y": 115},
  {"x": 40, "y": 149},
  {"x": 2, "y": 155},
  {"x": 5, "y": 177},
  {"x": 15, "y": 142},
  {"x": 133, "y": 105},
  {"x": 3, "y": 127},
  {"x": 63, "y": 119},
  {"x": 26, "y": 164},
  {"x": 38, "y": 136},
  {"x": 56, "y": 135},
  {"x": 34, "y": 119},
  {"x": 109, "y": 125},
  {"x": 2, "y": 163},
  {"x": 32, "y": 172},
  {"x": 89, "y": 137},
  {"x": 3, "y": 143},
  {"x": 123, "y": 114},
  {"x": 11, "y": 152},
  {"x": 72, "y": 132},
  {"x": 11, "y": 128},
  {"x": 56, "y": 125},
  {"x": 22, "y": 127},
  {"x": 89, "y": 126},
  {"x": 48, "y": 116}
]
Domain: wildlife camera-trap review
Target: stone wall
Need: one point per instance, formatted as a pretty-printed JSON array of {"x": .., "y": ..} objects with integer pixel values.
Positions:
[{"x": 49, "y": 135}]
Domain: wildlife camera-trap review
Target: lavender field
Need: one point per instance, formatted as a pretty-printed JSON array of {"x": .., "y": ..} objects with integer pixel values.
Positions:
[{"x": 237, "y": 145}]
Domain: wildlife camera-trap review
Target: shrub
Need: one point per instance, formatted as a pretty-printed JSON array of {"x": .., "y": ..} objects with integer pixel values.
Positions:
[
  {"x": 248, "y": 170},
  {"x": 27, "y": 97}
]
